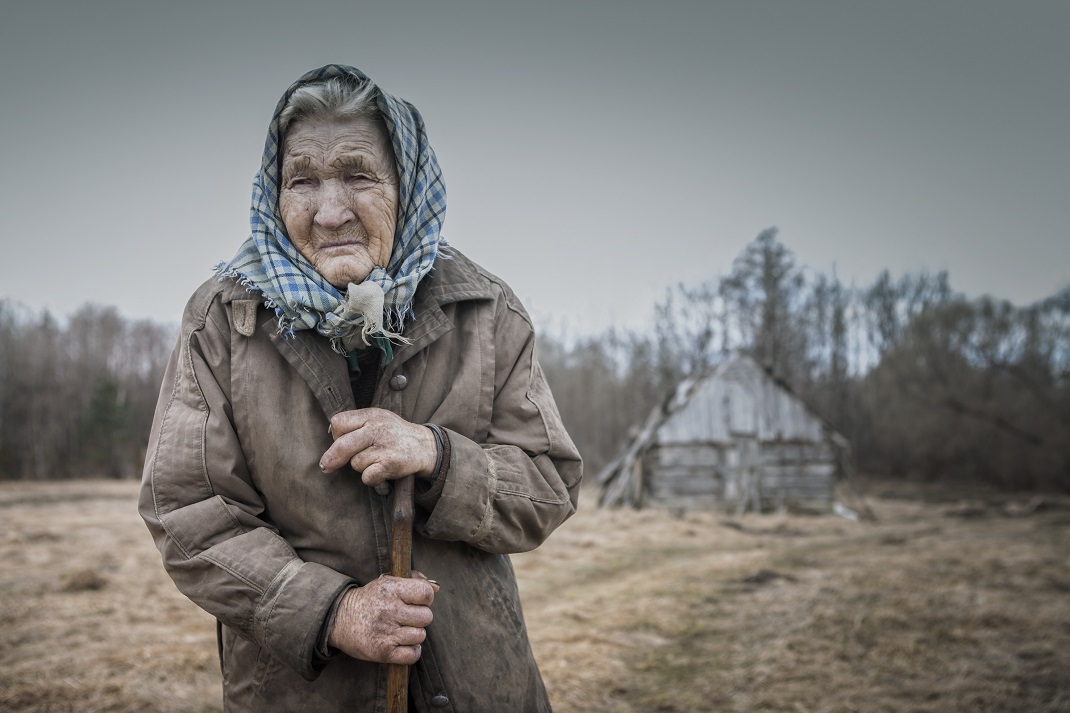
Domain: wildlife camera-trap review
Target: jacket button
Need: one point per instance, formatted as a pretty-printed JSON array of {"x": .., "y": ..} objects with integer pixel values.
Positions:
[
  {"x": 399, "y": 382},
  {"x": 440, "y": 701}
]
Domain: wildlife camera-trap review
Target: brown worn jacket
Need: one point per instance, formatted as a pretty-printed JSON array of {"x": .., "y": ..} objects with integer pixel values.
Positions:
[{"x": 252, "y": 531}]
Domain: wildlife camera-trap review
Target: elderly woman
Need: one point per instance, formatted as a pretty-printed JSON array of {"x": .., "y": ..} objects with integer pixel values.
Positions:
[{"x": 342, "y": 348}]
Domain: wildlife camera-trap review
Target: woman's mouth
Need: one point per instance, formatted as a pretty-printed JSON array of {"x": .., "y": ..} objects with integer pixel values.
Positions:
[{"x": 336, "y": 244}]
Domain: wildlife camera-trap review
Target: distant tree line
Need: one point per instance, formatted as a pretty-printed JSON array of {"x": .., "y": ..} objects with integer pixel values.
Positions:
[
  {"x": 923, "y": 382},
  {"x": 77, "y": 398}
]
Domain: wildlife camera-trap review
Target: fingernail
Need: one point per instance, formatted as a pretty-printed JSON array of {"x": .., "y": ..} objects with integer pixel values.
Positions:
[{"x": 433, "y": 581}]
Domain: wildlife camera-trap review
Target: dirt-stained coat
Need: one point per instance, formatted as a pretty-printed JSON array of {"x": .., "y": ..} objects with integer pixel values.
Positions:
[{"x": 253, "y": 531}]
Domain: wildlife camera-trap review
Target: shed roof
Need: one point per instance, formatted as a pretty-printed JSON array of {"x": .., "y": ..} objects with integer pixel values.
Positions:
[{"x": 740, "y": 399}]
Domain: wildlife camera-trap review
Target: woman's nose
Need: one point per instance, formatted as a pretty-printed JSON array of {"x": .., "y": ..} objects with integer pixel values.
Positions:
[{"x": 334, "y": 211}]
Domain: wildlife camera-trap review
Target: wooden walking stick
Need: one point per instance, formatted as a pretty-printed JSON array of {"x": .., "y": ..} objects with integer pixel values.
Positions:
[{"x": 397, "y": 675}]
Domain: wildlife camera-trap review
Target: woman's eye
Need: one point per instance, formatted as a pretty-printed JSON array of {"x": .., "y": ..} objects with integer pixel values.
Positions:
[{"x": 298, "y": 181}]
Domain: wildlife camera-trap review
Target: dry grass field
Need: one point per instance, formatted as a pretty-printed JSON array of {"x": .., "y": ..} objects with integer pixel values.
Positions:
[{"x": 948, "y": 602}]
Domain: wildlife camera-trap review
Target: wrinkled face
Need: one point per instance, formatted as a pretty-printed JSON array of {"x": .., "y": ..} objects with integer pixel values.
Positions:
[{"x": 339, "y": 196}]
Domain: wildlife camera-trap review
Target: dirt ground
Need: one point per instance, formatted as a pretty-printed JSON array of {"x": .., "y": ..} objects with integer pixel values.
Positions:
[{"x": 948, "y": 602}]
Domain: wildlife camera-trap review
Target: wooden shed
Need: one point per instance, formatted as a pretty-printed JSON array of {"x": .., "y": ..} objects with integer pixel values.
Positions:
[{"x": 736, "y": 439}]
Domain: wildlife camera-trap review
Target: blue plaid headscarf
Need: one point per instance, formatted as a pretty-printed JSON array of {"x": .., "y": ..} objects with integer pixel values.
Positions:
[{"x": 302, "y": 299}]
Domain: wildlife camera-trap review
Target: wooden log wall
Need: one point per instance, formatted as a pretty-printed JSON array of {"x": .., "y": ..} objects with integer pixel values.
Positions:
[{"x": 795, "y": 476}]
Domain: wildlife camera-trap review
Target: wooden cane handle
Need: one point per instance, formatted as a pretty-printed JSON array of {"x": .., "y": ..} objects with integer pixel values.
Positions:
[
  {"x": 401, "y": 528},
  {"x": 397, "y": 675}
]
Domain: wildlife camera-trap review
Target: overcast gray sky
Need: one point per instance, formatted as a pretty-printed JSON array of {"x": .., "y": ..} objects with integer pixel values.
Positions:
[{"x": 594, "y": 152}]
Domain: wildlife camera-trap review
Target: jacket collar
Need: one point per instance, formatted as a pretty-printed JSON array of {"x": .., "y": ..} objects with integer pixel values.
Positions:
[{"x": 456, "y": 279}]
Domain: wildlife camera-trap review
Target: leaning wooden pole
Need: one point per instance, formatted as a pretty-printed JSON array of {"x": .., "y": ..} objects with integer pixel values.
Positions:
[{"x": 397, "y": 675}]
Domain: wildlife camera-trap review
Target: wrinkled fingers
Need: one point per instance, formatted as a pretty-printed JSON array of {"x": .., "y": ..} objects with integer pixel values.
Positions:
[
  {"x": 409, "y": 636},
  {"x": 417, "y": 592},
  {"x": 345, "y": 448},
  {"x": 417, "y": 616},
  {"x": 406, "y": 655}
]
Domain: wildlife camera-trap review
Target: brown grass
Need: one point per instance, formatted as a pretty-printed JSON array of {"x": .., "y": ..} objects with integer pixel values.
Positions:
[{"x": 949, "y": 602}]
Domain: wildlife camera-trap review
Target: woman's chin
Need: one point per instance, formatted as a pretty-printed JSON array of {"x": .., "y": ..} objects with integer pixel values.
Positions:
[{"x": 343, "y": 269}]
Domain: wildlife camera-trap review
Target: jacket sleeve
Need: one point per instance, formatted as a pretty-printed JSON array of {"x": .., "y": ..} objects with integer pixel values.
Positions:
[
  {"x": 205, "y": 515},
  {"x": 509, "y": 493}
]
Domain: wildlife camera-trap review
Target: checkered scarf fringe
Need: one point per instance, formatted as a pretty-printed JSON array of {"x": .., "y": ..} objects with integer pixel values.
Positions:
[{"x": 302, "y": 299}]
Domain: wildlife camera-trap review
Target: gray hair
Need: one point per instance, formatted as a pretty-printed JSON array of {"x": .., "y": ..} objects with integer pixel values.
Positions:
[{"x": 334, "y": 98}]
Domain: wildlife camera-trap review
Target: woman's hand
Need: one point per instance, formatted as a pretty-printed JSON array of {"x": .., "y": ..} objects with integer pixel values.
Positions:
[
  {"x": 384, "y": 620},
  {"x": 380, "y": 445}
]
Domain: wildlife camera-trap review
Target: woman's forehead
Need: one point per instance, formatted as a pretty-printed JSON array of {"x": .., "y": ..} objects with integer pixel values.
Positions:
[{"x": 332, "y": 140}]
